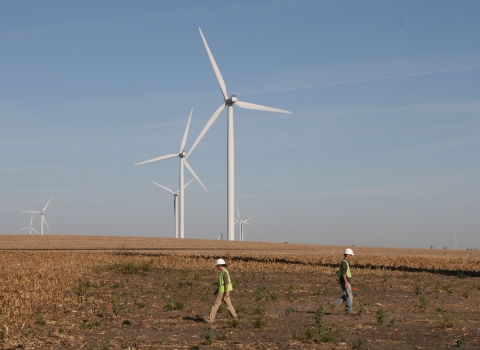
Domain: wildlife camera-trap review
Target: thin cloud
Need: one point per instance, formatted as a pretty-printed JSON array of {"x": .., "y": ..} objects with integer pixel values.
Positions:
[
  {"x": 55, "y": 30},
  {"x": 367, "y": 80},
  {"x": 399, "y": 186},
  {"x": 48, "y": 166},
  {"x": 132, "y": 102},
  {"x": 354, "y": 111}
]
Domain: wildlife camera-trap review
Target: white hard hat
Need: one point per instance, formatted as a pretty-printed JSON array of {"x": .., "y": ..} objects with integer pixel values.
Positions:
[
  {"x": 221, "y": 262},
  {"x": 348, "y": 251}
]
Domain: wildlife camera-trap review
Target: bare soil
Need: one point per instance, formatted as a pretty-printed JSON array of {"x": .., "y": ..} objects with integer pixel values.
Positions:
[{"x": 163, "y": 309}]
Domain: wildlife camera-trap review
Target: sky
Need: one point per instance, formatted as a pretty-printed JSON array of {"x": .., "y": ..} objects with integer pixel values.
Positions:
[{"x": 382, "y": 147}]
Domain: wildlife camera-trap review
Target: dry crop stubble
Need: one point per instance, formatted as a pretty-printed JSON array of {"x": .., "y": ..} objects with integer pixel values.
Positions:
[
  {"x": 35, "y": 281},
  {"x": 38, "y": 283}
]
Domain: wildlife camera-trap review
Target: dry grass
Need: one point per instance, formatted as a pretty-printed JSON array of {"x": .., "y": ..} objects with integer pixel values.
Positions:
[{"x": 374, "y": 257}]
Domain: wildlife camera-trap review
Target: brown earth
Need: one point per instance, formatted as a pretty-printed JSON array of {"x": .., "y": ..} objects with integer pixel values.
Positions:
[{"x": 138, "y": 302}]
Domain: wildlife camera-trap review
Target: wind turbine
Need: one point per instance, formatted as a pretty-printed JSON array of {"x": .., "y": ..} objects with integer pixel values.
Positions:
[
  {"x": 30, "y": 226},
  {"x": 42, "y": 220},
  {"x": 228, "y": 102},
  {"x": 175, "y": 204},
  {"x": 242, "y": 222},
  {"x": 183, "y": 161}
]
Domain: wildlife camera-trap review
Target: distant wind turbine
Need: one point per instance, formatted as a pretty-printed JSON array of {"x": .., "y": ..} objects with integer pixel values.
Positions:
[
  {"x": 42, "y": 217},
  {"x": 175, "y": 203},
  {"x": 30, "y": 226},
  {"x": 183, "y": 161},
  {"x": 241, "y": 222},
  {"x": 228, "y": 102}
]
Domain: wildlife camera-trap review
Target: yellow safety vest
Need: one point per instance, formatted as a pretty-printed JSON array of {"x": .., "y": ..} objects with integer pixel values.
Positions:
[
  {"x": 221, "y": 285},
  {"x": 349, "y": 274}
]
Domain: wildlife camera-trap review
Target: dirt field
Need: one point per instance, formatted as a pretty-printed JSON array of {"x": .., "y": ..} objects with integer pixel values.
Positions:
[{"x": 124, "y": 300}]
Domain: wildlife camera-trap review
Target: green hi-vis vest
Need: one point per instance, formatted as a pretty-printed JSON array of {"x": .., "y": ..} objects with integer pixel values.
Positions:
[
  {"x": 349, "y": 274},
  {"x": 221, "y": 285}
]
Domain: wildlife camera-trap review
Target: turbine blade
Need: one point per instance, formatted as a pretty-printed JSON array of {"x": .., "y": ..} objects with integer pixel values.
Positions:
[
  {"x": 165, "y": 188},
  {"x": 259, "y": 108},
  {"x": 23, "y": 228},
  {"x": 159, "y": 158},
  {"x": 184, "y": 141},
  {"x": 194, "y": 175},
  {"x": 35, "y": 231},
  {"x": 32, "y": 212},
  {"x": 45, "y": 221},
  {"x": 238, "y": 213},
  {"x": 188, "y": 183},
  {"x": 221, "y": 83},
  {"x": 206, "y": 128},
  {"x": 248, "y": 219},
  {"x": 47, "y": 205}
]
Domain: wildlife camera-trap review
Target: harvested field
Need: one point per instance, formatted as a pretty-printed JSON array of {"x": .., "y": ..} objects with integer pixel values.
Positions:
[
  {"x": 294, "y": 254},
  {"x": 150, "y": 296}
]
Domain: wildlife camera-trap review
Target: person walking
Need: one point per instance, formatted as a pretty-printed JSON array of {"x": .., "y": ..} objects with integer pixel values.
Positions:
[
  {"x": 344, "y": 276},
  {"x": 222, "y": 292}
]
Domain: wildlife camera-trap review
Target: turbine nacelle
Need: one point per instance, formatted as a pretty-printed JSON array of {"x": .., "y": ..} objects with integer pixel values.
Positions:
[{"x": 231, "y": 100}]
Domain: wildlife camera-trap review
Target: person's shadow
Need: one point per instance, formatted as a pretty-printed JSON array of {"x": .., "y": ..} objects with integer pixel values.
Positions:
[{"x": 195, "y": 319}]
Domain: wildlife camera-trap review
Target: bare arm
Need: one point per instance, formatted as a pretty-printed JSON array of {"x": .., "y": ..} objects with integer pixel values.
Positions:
[{"x": 344, "y": 276}]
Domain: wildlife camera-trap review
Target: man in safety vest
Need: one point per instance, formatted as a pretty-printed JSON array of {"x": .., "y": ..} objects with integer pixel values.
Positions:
[
  {"x": 222, "y": 292},
  {"x": 344, "y": 276}
]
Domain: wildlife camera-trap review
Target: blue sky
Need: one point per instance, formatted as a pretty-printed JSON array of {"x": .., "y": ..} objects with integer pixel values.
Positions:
[{"x": 381, "y": 148}]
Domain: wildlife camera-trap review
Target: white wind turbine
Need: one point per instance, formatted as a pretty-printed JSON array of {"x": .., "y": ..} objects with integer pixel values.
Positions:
[
  {"x": 183, "y": 161},
  {"x": 241, "y": 222},
  {"x": 228, "y": 102},
  {"x": 175, "y": 203},
  {"x": 42, "y": 217},
  {"x": 30, "y": 226}
]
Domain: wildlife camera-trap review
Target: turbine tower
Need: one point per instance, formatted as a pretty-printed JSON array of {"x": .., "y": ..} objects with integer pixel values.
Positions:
[
  {"x": 183, "y": 161},
  {"x": 228, "y": 102},
  {"x": 30, "y": 226},
  {"x": 42, "y": 220},
  {"x": 241, "y": 222},
  {"x": 175, "y": 203}
]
